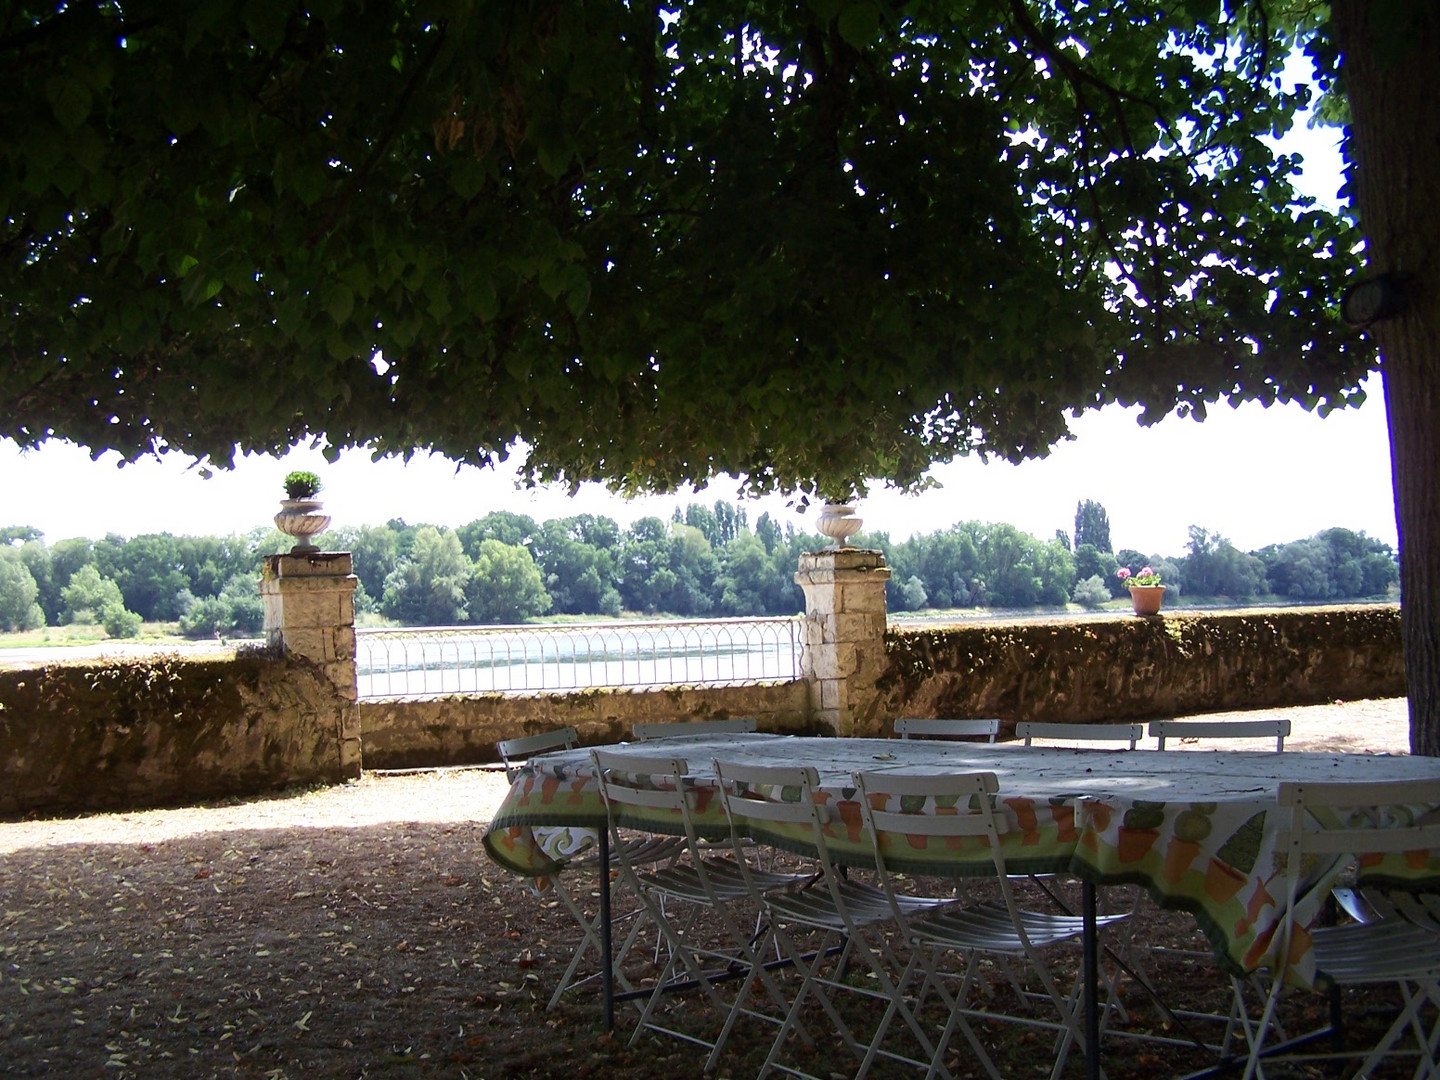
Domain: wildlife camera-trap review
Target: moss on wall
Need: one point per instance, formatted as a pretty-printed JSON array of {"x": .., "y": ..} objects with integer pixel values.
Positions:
[
  {"x": 162, "y": 729},
  {"x": 1134, "y": 669},
  {"x": 133, "y": 732}
]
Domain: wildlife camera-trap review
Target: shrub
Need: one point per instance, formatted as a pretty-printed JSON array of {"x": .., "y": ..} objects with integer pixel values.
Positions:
[
  {"x": 302, "y": 485},
  {"x": 18, "y": 591},
  {"x": 118, "y": 622},
  {"x": 89, "y": 596},
  {"x": 912, "y": 594},
  {"x": 1092, "y": 592},
  {"x": 236, "y": 611},
  {"x": 34, "y": 618},
  {"x": 207, "y": 618}
]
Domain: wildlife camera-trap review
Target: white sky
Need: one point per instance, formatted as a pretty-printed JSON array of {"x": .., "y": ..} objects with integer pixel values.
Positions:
[{"x": 1253, "y": 475}]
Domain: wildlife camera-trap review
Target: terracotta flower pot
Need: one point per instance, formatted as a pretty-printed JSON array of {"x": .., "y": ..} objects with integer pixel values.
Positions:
[
  {"x": 1146, "y": 598},
  {"x": 1222, "y": 882},
  {"x": 1178, "y": 857},
  {"x": 1135, "y": 843}
]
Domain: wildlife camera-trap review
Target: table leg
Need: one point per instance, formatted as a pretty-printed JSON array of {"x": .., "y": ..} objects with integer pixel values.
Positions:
[
  {"x": 607, "y": 969},
  {"x": 1091, "y": 975}
]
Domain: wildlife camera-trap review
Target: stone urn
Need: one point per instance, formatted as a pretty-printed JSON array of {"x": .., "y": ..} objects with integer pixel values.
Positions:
[
  {"x": 302, "y": 519},
  {"x": 1146, "y": 598},
  {"x": 838, "y": 521}
]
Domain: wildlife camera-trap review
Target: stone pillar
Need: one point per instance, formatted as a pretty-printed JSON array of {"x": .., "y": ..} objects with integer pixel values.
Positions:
[
  {"x": 310, "y": 613},
  {"x": 844, "y": 647}
]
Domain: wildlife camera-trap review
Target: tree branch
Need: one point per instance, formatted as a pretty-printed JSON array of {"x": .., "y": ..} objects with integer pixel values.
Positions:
[
  {"x": 382, "y": 146},
  {"x": 1074, "y": 74}
]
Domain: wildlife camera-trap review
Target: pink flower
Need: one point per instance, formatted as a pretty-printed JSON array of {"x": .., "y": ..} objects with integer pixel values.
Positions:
[
  {"x": 1145, "y": 571},
  {"x": 1123, "y": 573}
]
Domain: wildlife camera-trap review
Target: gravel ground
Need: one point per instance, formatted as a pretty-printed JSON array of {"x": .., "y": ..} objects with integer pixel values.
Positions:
[{"x": 353, "y": 931}]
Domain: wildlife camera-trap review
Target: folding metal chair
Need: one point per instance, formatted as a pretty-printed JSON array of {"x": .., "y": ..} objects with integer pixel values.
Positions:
[
  {"x": 642, "y": 850},
  {"x": 897, "y": 807},
  {"x": 847, "y": 915},
  {"x": 653, "y": 791},
  {"x": 1080, "y": 733},
  {"x": 651, "y": 732},
  {"x": 515, "y": 752},
  {"x": 1128, "y": 734},
  {"x": 1277, "y": 729},
  {"x": 1162, "y": 730},
  {"x": 1339, "y": 822},
  {"x": 1374, "y": 905},
  {"x": 912, "y": 728}
]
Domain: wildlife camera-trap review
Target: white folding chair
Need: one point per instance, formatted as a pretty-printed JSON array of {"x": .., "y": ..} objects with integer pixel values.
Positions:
[
  {"x": 649, "y": 732},
  {"x": 1080, "y": 733},
  {"x": 1374, "y": 905},
  {"x": 1129, "y": 735},
  {"x": 515, "y": 752},
  {"x": 654, "y": 791},
  {"x": 913, "y": 728},
  {"x": 847, "y": 915},
  {"x": 1277, "y": 729},
  {"x": 642, "y": 849},
  {"x": 896, "y": 807},
  {"x": 1163, "y": 730},
  {"x": 1335, "y": 823}
]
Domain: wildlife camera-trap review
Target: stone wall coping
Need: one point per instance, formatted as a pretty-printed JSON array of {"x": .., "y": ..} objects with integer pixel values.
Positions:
[
  {"x": 840, "y": 559},
  {"x": 1178, "y": 615},
  {"x": 580, "y": 694},
  {"x": 316, "y": 564}
]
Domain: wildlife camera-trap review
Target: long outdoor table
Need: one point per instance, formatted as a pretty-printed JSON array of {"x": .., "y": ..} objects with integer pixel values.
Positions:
[{"x": 1196, "y": 829}]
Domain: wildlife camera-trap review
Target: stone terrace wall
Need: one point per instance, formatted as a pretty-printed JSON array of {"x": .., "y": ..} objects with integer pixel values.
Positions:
[
  {"x": 463, "y": 730},
  {"x": 1134, "y": 669},
  {"x": 118, "y": 734},
  {"x": 163, "y": 729}
]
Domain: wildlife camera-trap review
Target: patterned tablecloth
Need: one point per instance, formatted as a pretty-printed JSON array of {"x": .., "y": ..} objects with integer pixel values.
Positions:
[{"x": 1196, "y": 829}]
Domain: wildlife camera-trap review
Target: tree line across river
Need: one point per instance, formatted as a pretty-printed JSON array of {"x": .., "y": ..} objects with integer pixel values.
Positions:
[{"x": 706, "y": 561}]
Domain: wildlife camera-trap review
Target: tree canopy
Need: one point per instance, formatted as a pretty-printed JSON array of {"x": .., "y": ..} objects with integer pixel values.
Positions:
[
  {"x": 1092, "y": 525},
  {"x": 803, "y": 243}
]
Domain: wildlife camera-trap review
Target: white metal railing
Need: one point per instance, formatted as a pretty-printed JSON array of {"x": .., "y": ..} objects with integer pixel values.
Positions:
[{"x": 432, "y": 661}]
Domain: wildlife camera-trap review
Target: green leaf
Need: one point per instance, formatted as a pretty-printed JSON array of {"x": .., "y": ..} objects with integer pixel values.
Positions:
[
  {"x": 265, "y": 21},
  {"x": 203, "y": 18},
  {"x": 577, "y": 296},
  {"x": 199, "y": 288},
  {"x": 859, "y": 23},
  {"x": 339, "y": 302},
  {"x": 337, "y": 346},
  {"x": 310, "y": 182},
  {"x": 482, "y": 299},
  {"x": 87, "y": 148},
  {"x": 70, "y": 99},
  {"x": 552, "y": 278},
  {"x": 554, "y": 149},
  {"x": 467, "y": 176},
  {"x": 438, "y": 292},
  {"x": 357, "y": 275}
]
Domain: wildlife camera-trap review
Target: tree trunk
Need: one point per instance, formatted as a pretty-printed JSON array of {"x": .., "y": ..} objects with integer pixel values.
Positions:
[{"x": 1390, "y": 78}]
